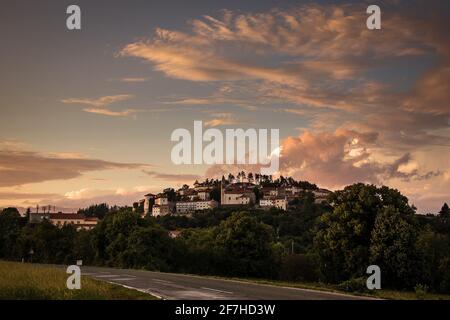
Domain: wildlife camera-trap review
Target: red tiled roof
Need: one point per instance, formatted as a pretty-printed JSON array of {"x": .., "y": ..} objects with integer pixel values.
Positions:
[
  {"x": 68, "y": 216},
  {"x": 91, "y": 219}
]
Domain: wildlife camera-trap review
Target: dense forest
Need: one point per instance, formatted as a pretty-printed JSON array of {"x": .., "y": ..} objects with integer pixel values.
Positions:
[{"x": 331, "y": 242}]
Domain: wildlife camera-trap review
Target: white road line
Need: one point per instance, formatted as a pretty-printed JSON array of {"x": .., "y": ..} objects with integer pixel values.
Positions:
[
  {"x": 163, "y": 281},
  {"x": 123, "y": 279},
  {"x": 147, "y": 291},
  {"x": 108, "y": 276},
  {"x": 216, "y": 290}
]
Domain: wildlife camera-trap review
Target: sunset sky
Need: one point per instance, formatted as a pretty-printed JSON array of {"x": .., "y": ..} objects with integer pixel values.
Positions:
[{"x": 86, "y": 116}]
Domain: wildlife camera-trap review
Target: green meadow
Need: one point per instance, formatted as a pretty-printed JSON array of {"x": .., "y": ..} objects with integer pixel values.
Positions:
[{"x": 24, "y": 281}]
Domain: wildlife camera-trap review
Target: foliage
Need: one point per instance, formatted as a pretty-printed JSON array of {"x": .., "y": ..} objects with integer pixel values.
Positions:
[
  {"x": 344, "y": 236},
  {"x": 354, "y": 285},
  {"x": 22, "y": 281},
  {"x": 96, "y": 210},
  {"x": 334, "y": 243},
  {"x": 299, "y": 267}
]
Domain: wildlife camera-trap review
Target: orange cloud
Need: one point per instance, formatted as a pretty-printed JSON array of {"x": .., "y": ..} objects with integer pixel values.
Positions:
[
  {"x": 18, "y": 167},
  {"x": 98, "y": 102},
  {"x": 107, "y": 112}
]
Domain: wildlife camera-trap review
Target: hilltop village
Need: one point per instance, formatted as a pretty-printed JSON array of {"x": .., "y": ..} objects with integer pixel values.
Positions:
[
  {"x": 242, "y": 190},
  {"x": 251, "y": 190}
]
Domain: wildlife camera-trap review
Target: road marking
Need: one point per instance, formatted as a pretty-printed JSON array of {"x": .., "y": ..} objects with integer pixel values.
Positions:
[
  {"x": 108, "y": 276},
  {"x": 123, "y": 279},
  {"x": 216, "y": 290},
  {"x": 147, "y": 291},
  {"x": 163, "y": 281}
]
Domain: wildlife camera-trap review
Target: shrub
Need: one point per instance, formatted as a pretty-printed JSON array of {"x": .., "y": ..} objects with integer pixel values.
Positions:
[
  {"x": 354, "y": 285},
  {"x": 299, "y": 267},
  {"x": 421, "y": 291}
]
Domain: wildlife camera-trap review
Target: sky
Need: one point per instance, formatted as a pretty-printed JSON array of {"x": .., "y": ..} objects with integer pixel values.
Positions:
[{"x": 86, "y": 116}]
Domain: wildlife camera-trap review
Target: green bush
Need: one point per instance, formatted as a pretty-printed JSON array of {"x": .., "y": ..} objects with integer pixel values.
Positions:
[
  {"x": 299, "y": 267},
  {"x": 421, "y": 291},
  {"x": 354, "y": 285}
]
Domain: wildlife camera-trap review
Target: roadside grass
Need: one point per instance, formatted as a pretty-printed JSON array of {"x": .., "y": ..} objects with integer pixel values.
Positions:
[
  {"x": 23, "y": 281},
  {"x": 376, "y": 294}
]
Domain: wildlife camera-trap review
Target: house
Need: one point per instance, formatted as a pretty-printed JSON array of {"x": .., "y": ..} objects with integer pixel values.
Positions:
[
  {"x": 293, "y": 190},
  {"x": 274, "y": 202},
  {"x": 189, "y": 194},
  {"x": 198, "y": 205},
  {"x": 160, "y": 210},
  {"x": 185, "y": 206},
  {"x": 38, "y": 217},
  {"x": 161, "y": 199},
  {"x": 321, "y": 195},
  {"x": 269, "y": 191},
  {"x": 79, "y": 221},
  {"x": 204, "y": 194},
  {"x": 238, "y": 194}
]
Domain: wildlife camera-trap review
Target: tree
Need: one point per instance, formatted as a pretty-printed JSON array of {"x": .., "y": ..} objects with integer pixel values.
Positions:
[
  {"x": 96, "y": 210},
  {"x": 343, "y": 236},
  {"x": 246, "y": 244},
  {"x": 10, "y": 225},
  {"x": 215, "y": 193},
  {"x": 444, "y": 219},
  {"x": 148, "y": 247},
  {"x": 445, "y": 211},
  {"x": 434, "y": 249},
  {"x": 393, "y": 248}
]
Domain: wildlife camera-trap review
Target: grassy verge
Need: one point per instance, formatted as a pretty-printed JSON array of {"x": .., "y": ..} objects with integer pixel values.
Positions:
[
  {"x": 19, "y": 281},
  {"x": 378, "y": 294}
]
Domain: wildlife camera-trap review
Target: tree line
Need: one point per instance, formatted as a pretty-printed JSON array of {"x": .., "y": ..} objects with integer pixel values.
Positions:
[{"x": 332, "y": 243}]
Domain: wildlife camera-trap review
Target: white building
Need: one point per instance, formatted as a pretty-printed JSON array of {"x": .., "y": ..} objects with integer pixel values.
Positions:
[
  {"x": 79, "y": 221},
  {"x": 232, "y": 198},
  {"x": 185, "y": 206},
  {"x": 321, "y": 195},
  {"x": 203, "y": 195},
  {"x": 274, "y": 202},
  {"x": 161, "y": 200},
  {"x": 160, "y": 210},
  {"x": 192, "y": 206},
  {"x": 237, "y": 194}
]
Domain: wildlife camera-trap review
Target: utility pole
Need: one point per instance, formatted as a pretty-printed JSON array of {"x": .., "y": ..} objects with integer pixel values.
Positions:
[{"x": 292, "y": 247}]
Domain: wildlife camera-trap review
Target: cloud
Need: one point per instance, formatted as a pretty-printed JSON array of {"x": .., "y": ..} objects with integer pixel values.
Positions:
[
  {"x": 85, "y": 197},
  {"x": 223, "y": 119},
  {"x": 18, "y": 167},
  {"x": 98, "y": 102},
  {"x": 336, "y": 159},
  {"x": 189, "y": 178},
  {"x": 134, "y": 80},
  {"x": 99, "y": 105},
  {"x": 343, "y": 157},
  {"x": 23, "y": 196},
  {"x": 107, "y": 112}
]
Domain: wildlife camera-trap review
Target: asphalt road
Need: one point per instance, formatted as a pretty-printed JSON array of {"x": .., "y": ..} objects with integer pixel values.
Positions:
[{"x": 187, "y": 287}]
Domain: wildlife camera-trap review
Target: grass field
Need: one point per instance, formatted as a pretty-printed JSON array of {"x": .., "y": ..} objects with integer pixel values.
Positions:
[{"x": 23, "y": 281}]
